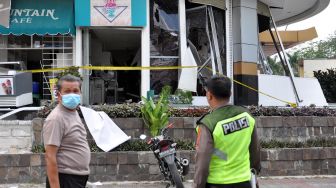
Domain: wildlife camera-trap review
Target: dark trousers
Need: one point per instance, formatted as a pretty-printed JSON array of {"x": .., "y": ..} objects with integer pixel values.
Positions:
[
  {"x": 70, "y": 181},
  {"x": 245, "y": 184}
]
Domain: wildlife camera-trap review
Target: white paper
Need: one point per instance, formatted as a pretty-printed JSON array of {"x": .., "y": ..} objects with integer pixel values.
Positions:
[
  {"x": 188, "y": 77},
  {"x": 104, "y": 131}
]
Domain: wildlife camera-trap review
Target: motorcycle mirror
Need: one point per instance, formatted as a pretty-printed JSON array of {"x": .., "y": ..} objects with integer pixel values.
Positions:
[{"x": 143, "y": 137}]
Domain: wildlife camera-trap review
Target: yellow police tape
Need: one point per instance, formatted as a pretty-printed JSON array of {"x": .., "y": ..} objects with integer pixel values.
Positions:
[
  {"x": 119, "y": 68},
  {"x": 294, "y": 105}
]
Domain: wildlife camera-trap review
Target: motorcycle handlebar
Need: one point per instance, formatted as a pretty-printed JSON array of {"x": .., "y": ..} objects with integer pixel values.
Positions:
[{"x": 165, "y": 130}]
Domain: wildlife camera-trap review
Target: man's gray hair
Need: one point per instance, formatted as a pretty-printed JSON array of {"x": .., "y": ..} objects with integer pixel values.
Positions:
[{"x": 68, "y": 78}]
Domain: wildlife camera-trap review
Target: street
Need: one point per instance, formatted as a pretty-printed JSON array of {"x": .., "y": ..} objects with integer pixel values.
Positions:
[{"x": 274, "y": 182}]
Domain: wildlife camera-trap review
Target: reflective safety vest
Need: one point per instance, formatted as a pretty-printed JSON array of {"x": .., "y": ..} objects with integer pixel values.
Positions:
[{"x": 231, "y": 128}]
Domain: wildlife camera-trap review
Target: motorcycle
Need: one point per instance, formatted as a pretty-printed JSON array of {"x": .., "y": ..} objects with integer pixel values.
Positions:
[{"x": 164, "y": 149}]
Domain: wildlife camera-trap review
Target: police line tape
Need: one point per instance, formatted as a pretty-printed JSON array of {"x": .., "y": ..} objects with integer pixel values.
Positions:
[
  {"x": 114, "y": 68},
  {"x": 294, "y": 105},
  {"x": 119, "y": 68}
]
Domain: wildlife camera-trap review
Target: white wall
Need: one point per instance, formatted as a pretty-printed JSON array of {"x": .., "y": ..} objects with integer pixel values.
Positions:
[
  {"x": 309, "y": 66},
  {"x": 15, "y": 137},
  {"x": 309, "y": 91}
]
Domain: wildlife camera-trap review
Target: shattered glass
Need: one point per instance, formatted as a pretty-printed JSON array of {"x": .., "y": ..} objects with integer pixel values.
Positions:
[
  {"x": 201, "y": 39},
  {"x": 197, "y": 36},
  {"x": 160, "y": 78},
  {"x": 220, "y": 27},
  {"x": 164, "y": 43},
  {"x": 164, "y": 28}
]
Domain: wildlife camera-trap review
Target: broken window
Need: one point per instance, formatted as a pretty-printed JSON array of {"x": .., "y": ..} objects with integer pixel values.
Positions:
[
  {"x": 206, "y": 38},
  {"x": 164, "y": 38},
  {"x": 207, "y": 35}
]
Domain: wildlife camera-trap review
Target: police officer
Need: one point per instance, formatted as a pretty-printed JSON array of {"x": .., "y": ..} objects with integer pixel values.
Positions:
[{"x": 227, "y": 143}]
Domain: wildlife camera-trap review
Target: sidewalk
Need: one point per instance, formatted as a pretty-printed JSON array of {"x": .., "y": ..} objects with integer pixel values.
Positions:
[{"x": 269, "y": 182}]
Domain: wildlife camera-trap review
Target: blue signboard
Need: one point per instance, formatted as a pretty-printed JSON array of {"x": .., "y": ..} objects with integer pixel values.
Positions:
[
  {"x": 40, "y": 17},
  {"x": 131, "y": 13}
]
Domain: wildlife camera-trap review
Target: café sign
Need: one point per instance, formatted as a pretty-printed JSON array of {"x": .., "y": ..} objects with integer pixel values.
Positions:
[{"x": 27, "y": 15}]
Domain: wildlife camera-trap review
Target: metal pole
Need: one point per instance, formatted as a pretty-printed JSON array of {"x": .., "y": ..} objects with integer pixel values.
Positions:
[
  {"x": 204, "y": 65},
  {"x": 215, "y": 40},
  {"x": 291, "y": 76},
  {"x": 263, "y": 61},
  {"x": 279, "y": 53},
  {"x": 213, "y": 63}
]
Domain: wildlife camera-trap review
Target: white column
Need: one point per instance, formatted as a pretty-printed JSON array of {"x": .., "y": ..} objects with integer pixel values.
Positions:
[
  {"x": 85, "y": 73},
  {"x": 145, "y": 55},
  {"x": 183, "y": 30},
  {"x": 229, "y": 44},
  {"x": 78, "y": 49}
]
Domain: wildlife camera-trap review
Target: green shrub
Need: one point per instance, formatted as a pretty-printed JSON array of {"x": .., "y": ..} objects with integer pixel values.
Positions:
[
  {"x": 45, "y": 111},
  {"x": 133, "y": 110},
  {"x": 155, "y": 114},
  {"x": 120, "y": 110},
  {"x": 131, "y": 145},
  {"x": 72, "y": 71},
  {"x": 327, "y": 80},
  {"x": 320, "y": 142},
  {"x": 140, "y": 145},
  {"x": 181, "y": 97},
  {"x": 302, "y": 111},
  {"x": 38, "y": 149}
]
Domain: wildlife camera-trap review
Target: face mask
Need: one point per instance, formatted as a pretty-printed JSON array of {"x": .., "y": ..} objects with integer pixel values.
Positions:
[{"x": 71, "y": 101}]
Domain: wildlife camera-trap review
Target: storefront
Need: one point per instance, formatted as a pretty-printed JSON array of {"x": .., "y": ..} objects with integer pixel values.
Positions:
[
  {"x": 217, "y": 36},
  {"x": 112, "y": 34},
  {"x": 146, "y": 33},
  {"x": 40, "y": 35},
  {"x": 126, "y": 33}
]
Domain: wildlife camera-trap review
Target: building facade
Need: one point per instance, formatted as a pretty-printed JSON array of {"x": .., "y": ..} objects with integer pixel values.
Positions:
[
  {"x": 307, "y": 67},
  {"x": 222, "y": 35}
]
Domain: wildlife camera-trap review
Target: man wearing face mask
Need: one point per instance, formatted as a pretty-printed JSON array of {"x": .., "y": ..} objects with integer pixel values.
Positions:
[
  {"x": 64, "y": 135},
  {"x": 227, "y": 143}
]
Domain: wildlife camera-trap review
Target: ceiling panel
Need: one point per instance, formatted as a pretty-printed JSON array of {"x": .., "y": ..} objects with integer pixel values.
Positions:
[{"x": 289, "y": 11}]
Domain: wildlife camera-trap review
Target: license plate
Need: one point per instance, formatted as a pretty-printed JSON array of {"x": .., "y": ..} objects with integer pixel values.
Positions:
[{"x": 168, "y": 152}]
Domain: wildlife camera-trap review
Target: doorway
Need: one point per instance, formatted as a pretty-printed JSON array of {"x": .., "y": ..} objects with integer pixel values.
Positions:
[{"x": 115, "y": 47}]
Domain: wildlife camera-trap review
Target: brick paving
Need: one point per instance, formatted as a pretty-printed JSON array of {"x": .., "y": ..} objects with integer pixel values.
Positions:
[{"x": 286, "y": 182}]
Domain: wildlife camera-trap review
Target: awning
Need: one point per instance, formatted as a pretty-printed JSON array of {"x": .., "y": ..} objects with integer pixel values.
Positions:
[
  {"x": 216, "y": 3},
  {"x": 40, "y": 17},
  {"x": 289, "y": 39}
]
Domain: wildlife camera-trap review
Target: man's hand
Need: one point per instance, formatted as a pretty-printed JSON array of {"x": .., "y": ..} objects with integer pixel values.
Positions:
[{"x": 52, "y": 170}]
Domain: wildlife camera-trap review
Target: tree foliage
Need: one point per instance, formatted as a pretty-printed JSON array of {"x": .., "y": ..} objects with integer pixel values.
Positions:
[
  {"x": 294, "y": 59},
  {"x": 319, "y": 49},
  {"x": 276, "y": 66},
  {"x": 327, "y": 80}
]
